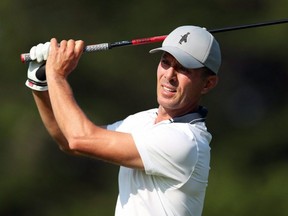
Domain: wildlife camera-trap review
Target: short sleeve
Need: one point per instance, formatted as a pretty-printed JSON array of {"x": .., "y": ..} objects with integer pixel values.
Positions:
[
  {"x": 168, "y": 150},
  {"x": 114, "y": 126}
]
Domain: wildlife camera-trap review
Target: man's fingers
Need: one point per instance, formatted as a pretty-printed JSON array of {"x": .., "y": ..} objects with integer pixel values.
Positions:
[
  {"x": 53, "y": 46},
  {"x": 39, "y": 54},
  {"x": 63, "y": 43},
  {"x": 79, "y": 45},
  {"x": 75, "y": 46},
  {"x": 70, "y": 45},
  {"x": 54, "y": 42}
]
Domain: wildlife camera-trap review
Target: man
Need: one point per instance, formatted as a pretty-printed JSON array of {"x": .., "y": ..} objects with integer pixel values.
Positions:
[{"x": 164, "y": 152}]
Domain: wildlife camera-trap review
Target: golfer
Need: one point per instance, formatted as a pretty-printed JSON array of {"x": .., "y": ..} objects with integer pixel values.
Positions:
[{"x": 163, "y": 152}]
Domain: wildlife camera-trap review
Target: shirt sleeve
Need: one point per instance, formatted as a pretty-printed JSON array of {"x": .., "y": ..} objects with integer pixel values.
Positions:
[
  {"x": 168, "y": 150},
  {"x": 114, "y": 126}
]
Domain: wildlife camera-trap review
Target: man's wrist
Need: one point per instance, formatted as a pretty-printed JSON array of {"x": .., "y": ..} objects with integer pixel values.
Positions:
[{"x": 36, "y": 85}]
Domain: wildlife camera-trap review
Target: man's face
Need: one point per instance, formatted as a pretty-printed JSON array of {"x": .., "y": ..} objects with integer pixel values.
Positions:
[{"x": 178, "y": 89}]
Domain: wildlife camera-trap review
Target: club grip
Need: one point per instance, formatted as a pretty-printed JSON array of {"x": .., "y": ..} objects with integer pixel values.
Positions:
[
  {"x": 97, "y": 47},
  {"x": 25, "y": 57}
]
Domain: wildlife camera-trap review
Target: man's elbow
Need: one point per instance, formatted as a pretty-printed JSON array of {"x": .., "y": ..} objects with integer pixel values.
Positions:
[{"x": 63, "y": 144}]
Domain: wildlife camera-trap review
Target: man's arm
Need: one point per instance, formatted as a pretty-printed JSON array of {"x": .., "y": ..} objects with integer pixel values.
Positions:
[
  {"x": 43, "y": 104},
  {"x": 80, "y": 133}
]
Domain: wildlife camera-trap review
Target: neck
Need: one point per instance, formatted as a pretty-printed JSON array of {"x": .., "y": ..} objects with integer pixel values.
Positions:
[{"x": 166, "y": 114}]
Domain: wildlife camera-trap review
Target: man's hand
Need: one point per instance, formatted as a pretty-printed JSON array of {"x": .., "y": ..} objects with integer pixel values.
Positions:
[
  {"x": 36, "y": 71},
  {"x": 64, "y": 57}
]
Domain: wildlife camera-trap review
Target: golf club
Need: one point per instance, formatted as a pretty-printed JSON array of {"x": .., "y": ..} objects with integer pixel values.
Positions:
[{"x": 25, "y": 57}]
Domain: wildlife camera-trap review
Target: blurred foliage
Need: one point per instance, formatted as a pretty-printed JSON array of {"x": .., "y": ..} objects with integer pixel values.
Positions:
[{"x": 248, "y": 113}]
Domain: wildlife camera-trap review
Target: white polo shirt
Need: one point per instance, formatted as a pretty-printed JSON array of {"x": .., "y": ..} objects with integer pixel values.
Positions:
[{"x": 176, "y": 157}]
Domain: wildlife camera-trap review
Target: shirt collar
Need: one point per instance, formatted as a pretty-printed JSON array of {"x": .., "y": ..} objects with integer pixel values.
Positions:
[{"x": 193, "y": 117}]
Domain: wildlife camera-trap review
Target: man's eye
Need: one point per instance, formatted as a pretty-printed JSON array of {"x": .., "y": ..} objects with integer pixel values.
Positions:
[
  {"x": 183, "y": 69},
  {"x": 165, "y": 63}
]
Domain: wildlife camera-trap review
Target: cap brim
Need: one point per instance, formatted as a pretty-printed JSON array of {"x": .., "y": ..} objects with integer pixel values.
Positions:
[{"x": 183, "y": 58}]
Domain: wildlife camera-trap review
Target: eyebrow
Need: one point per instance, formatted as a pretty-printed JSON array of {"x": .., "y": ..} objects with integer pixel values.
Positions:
[{"x": 166, "y": 55}]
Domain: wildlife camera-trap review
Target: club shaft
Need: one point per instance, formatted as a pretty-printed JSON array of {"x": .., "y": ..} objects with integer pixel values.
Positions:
[
  {"x": 233, "y": 28},
  {"x": 25, "y": 57}
]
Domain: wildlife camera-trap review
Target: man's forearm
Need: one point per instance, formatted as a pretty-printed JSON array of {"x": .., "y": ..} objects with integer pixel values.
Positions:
[
  {"x": 70, "y": 118},
  {"x": 43, "y": 104}
]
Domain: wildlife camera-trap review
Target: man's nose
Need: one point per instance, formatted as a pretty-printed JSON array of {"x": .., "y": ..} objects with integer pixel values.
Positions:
[{"x": 170, "y": 73}]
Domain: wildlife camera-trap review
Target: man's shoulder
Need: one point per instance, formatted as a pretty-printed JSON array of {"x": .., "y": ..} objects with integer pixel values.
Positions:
[
  {"x": 138, "y": 120},
  {"x": 144, "y": 114}
]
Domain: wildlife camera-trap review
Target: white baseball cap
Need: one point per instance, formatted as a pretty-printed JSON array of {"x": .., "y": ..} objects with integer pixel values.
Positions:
[{"x": 193, "y": 47}]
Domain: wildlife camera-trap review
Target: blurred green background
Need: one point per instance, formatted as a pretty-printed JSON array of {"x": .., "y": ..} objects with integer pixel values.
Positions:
[{"x": 248, "y": 111}]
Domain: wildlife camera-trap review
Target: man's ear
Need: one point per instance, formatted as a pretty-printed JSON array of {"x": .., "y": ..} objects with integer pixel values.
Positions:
[{"x": 210, "y": 83}]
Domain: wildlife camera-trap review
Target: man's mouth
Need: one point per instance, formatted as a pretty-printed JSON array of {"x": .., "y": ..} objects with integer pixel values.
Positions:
[{"x": 168, "y": 89}]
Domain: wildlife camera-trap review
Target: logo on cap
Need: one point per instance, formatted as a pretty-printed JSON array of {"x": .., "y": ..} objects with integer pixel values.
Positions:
[{"x": 184, "y": 38}]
